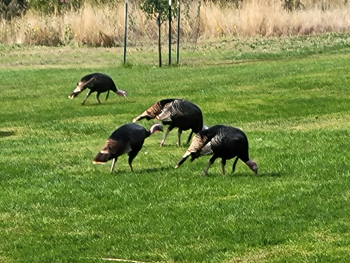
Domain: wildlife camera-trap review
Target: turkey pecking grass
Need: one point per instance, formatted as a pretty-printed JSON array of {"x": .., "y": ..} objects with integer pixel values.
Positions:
[
  {"x": 128, "y": 138},
  {"x": 177, "y": 113},
  {"x": 96, "y": 82},
  {"x": 223, "y": 142}
]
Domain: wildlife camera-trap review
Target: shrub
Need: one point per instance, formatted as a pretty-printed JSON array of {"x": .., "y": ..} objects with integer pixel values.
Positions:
[{"x": 49, "y": 7}]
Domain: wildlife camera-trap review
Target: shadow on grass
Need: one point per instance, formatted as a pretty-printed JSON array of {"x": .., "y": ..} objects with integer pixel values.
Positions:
[
  {"x": 172, "y": 145},
  {"x": 152, "y": 170},
  {"x": 260, "y": 174},
  {"x": 103, "y": 102},
  {"x": 271, "y": 174},
  {"x": 6, "y": 133},
  {"x": 137, "y": 171},
  {"x": 245, "y": 174}
]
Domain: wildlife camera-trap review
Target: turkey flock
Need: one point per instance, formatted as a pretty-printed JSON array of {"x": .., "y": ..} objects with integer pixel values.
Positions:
[{"x": 220, "y": 141}]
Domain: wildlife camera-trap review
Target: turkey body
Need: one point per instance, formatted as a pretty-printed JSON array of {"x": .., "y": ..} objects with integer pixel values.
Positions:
[
  {"x": 128, "y": 138},
  {"x": 96, "y": 82},
  {"x": 177, "y": 113},
  {"x": 223, "y": 142}
]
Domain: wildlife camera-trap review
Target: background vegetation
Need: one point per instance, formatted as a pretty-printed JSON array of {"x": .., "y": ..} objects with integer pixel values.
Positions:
[
  {"x": 290, "y": 96},
  {"x": 103, "y": 25}
]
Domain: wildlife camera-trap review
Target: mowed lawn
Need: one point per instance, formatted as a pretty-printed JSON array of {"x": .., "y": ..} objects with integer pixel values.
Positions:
[{"x": 293, "y": 105}]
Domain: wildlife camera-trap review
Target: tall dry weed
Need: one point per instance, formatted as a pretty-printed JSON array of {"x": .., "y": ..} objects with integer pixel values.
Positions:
[
  {"x": 269, "y": 18},
  {"x": 104, "y": 25}
]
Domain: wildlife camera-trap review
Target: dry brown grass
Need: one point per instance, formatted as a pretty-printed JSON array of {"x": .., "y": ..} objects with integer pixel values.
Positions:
[
  {"x": 104, "y": 26},
  {"x": 257, "y": 17}
]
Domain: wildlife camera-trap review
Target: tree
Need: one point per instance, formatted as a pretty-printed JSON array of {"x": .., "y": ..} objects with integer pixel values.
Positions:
[
  {"x": 158, "y": 10},
  {"x": 12, "y": 8}
]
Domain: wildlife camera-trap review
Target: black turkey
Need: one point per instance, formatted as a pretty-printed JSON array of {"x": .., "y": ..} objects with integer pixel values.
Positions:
[
  {"x": 129, "y": 139},
  {"x": 177, "y": 113},
  {"x": 223, "y": 142},
  {"x": 96, "y": 82}
]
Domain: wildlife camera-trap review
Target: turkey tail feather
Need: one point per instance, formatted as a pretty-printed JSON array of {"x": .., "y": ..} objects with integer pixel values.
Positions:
[
  {"x": 195, "y": 149},
  {"x": 101, "y": 158},
  {"x": 142, "y": 116},
  {"x": 183, "y": 159},
  {"x": 150, "y": 113}
]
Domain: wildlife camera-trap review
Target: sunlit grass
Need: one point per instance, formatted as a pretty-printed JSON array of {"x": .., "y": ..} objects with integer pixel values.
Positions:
[{"x": 56, "y": 206}]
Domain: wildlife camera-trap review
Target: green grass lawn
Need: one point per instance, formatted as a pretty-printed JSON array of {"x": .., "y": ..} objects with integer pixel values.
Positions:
[{"x": 290, "y": 96}]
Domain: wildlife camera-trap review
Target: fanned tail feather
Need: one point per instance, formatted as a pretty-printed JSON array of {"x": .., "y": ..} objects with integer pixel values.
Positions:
[
  {"x": 105, "y": 154},
  {"x": 194, "y": 150},
  {"x": 140, "y": 117},
  {"x": 150, "y": 113},
  {"x": 183, "y": 159},
  {"x": 101, "y": 158}
]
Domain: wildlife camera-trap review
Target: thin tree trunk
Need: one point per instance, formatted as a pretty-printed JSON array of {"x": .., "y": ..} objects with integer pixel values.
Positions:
[{"x": 159, "y": 42}]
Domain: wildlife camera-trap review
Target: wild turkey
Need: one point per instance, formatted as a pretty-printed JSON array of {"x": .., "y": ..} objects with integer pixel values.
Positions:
[
  {"x": 96, "y": 82},
  {"x": 223, "y": 142},
  {"x": 177, "y": 113},
  {"x": 128, "y": 138}
]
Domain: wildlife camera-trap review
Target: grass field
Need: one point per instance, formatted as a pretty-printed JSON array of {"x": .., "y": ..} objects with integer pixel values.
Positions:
[{"x": 290, "y": 96}]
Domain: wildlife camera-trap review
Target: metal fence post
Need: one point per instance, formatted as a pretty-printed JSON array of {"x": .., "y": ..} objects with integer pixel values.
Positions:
[
  {"x": 178, "y": 33},
  {"x": 125, "y": 28},
  {"x": 169, "y": 32}
]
